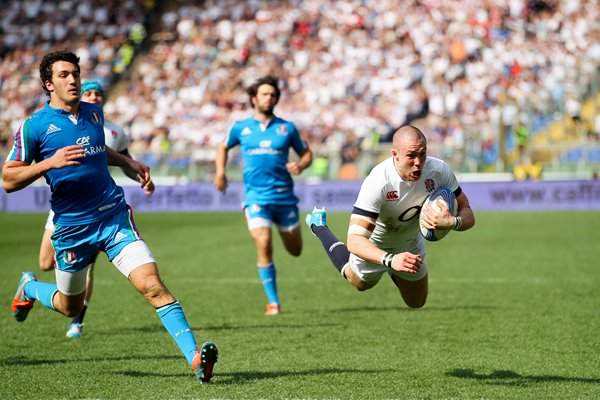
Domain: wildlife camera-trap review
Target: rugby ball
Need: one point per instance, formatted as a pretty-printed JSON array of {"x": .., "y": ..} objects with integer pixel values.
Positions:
[{"x": 447, "y": 196}]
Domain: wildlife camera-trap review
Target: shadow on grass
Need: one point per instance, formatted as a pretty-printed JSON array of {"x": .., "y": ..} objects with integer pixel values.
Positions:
[
  {"x": 157, "y": 328},
  {"x": 240, "y": 378},
  {"x": 402, "y": 308},
  {"x": 25, "y": 362},
  {"x": 510, "y": 378}
]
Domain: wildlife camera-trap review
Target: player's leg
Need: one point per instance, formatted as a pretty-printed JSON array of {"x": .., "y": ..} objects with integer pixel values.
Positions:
[
  {"x": 260, "y": 221},
  {"x": 46, "y": 256},
  {"x": 414, "y": 293},
  {"x": 292, "y": 239},
  {"x": 133, "y": 259},
  {"x": 336, "y": 250},
  {"x": 413, "y": 287},
  {"x": 73, "y": 253},
  {"x": 288, "y": 222},
  {"x": 146, "y": 279},
  {"x": 76, "y": 327}
]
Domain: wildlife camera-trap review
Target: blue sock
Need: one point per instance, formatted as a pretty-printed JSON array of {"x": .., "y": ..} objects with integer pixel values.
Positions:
[
  {"x": 42, "y": 292},
  {"x": 268, "y": 276},
  {"x": 176, "y": 324}
]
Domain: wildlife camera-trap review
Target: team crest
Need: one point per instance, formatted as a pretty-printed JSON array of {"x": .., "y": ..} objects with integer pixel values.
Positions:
[
  {"x": 96, "y": 118},
  {"x": 429, "y": 185},
  {"x": 282, "y": 130},
  {"x": 69, "y": 258}
]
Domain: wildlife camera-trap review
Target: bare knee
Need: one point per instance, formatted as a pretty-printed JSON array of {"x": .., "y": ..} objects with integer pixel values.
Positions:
[
  {"x": 46, "y": 261},
  {"x": 415, "y": 304},
  {"x": 47, "y": 265},
  {"x": 154, "y": 290},
  {"x": 295, "y": 251}
]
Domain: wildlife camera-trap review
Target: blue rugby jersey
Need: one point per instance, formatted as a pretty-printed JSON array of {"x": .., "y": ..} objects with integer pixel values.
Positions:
[
  {"x": 266, "y": 152},
  {"x": 82, "y": 193}
]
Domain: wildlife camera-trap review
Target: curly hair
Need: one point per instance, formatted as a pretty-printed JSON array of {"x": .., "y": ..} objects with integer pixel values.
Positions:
[
  {"x": 49, "y": 60},
  {"x": 265, "y": 80}
]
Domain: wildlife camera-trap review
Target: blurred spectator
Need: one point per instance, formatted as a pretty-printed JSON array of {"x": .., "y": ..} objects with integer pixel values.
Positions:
[
  {"x": 28, "y": 29},
  {"x": 351, "y": 67}
]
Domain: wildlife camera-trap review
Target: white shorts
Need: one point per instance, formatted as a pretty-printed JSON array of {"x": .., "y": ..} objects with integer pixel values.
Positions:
[
  {"x": 132, "y": 256},
  {"x": 49, "y": 223},
  {"x": 371, "y": 273}
]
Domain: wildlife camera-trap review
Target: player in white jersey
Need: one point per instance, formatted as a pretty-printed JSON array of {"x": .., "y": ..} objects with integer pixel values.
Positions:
[
  {"x": 383, "y": 236},
  {"x": 115, "y": 138}
]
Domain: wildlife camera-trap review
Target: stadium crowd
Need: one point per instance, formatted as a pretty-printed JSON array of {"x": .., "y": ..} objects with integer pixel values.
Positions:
[
  {"x": 104, "y": 34},
  {"x": 466, "y": 70}
]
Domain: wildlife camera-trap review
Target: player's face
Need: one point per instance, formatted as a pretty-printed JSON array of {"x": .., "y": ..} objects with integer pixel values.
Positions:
[
  {"x": 65, "y": 85},
  {"x": 93, "y": 96},
  {"x": 265, "y": 100},
  {"x": 409, "y": 158}
]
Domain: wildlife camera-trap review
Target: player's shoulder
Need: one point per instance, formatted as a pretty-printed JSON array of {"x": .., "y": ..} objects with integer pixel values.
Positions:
[
  {"x": 285, "y": 122},
  {"x": 434, "y": 164},
  {"x": 39, "y": 119},
  {"x": 111, "y": 126},
  {"x": 381, "y": 174},
  {"x": 91, "y": 108}
]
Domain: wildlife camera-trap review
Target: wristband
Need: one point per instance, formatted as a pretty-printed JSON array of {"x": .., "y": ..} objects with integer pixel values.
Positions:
[
  {"x": 457, "y": 223},
  {"x": 387, "y": 259}
]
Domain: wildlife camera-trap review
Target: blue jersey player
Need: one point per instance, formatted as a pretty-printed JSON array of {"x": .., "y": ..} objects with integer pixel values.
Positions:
[
  {"x": 64, "y": 142},
  {"x": 265, "y": 141}
]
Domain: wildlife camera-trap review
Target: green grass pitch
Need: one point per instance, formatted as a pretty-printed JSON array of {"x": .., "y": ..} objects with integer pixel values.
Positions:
[{"x": 513, "y": 313}]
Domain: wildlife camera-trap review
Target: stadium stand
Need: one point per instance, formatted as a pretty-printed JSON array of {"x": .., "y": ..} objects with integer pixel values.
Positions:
[{"x": 467, "y": 72}]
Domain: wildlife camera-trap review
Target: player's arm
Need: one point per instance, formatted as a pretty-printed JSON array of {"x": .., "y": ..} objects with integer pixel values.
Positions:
[
  {"x": 149, "y": 187},
  {"x": 220, "y": 180},
  {"x": 465, "y": 218},
  {"x": 141, "y": 171},
  {"x": 17, "y": 175},
  {"x": 296, "y": 167},
  {"x": 362, "y": 225}
]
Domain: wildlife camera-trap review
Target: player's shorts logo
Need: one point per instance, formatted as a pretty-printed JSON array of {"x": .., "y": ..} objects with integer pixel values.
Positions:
[
  {"x": 69, "y": 258},
  {"x": 392, "y": 195}
]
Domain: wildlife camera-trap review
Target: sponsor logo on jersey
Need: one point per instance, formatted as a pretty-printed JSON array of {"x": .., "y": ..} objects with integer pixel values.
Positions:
[
  {"x": 265, "y": 148},
  {"x": 83, "y": 141},
  {"x": 89, "y": 150},
  {"x": 429, "y": 185},
  {"x": 96, "y": 118},
  {"x": 69, "y": 258},
  {"x": 245, "y": 132},
  {"x": 391, "y": 195},
  {"x": 52, "y": 128}
]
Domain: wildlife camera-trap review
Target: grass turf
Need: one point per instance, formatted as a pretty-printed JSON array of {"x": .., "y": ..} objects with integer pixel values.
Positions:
[{"x": 512, "y": 314}]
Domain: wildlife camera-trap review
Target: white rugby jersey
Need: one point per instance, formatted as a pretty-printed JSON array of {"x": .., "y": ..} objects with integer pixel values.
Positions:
[
  {"x": 115, "y": 137},
  {"x": 399, "y": 202}
]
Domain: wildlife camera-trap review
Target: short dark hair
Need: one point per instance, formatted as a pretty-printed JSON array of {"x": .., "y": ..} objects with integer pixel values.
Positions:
[
  {"x": 49, "y": 60},
  {"x": 265, "y": 80}
]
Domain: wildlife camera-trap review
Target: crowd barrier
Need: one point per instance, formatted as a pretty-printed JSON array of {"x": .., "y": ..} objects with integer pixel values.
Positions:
[{"x": 334, "y": 196}]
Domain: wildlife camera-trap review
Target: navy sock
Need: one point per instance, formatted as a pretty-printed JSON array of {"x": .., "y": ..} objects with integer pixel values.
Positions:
[
  {"x": 78, "y": 319},
  {"x": 337, "y": 251}
]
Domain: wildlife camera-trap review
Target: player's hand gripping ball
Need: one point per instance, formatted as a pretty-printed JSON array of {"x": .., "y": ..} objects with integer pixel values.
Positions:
[{"x": 447, "y": 196}]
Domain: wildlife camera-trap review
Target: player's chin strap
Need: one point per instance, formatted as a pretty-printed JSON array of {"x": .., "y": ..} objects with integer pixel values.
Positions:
[{"x": 457, "y": 223}]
